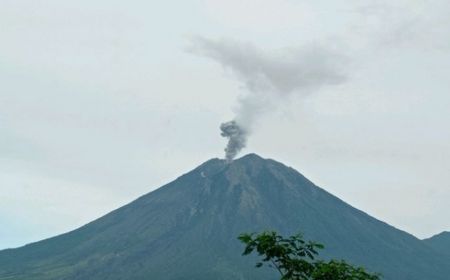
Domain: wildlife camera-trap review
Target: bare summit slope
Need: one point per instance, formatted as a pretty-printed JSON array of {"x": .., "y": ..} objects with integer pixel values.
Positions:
[{"x": 187, "y": 229}]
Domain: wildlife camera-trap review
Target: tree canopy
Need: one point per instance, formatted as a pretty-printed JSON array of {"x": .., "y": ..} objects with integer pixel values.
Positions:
[{"x": 295, "y": 258}]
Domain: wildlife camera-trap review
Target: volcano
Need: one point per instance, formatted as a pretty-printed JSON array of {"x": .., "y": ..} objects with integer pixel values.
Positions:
[{"x": 188, "y": 229}]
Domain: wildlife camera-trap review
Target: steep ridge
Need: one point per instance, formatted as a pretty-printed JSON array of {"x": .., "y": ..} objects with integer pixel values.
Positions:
[{"x": 187, "y": 229}]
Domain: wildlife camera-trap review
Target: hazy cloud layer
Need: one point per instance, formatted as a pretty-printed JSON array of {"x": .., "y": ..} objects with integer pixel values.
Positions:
[{"x": 100, "y": 97}]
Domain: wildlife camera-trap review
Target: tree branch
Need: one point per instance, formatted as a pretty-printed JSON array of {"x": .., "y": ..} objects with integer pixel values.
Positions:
[{"x": 276, "y": 266}]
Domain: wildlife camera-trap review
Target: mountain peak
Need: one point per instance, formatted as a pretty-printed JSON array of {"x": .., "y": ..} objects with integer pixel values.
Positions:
[
  {"x": 444, "y": 234},
  {"x": 249, "y": 161},
  {"x": 440, "y": 242},
  {"x": 249, "y": 164},
  {"x": 244, "y": 168},
  {"x": 251, "y": 157},
  {"x": 187, "y": 229}
]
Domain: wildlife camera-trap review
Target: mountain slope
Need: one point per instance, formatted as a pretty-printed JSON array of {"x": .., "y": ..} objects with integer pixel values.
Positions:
[
  {"x": 440, "y": 242},
  {"x": 187, "y": 229}
]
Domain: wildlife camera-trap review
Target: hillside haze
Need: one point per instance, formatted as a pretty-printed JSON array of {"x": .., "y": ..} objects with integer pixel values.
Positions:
[{"x": 188, "y": 229}]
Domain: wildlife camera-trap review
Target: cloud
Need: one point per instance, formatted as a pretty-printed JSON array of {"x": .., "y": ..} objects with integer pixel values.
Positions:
[
  {"x": 259, "y": 15},
  {"x": 291, "y": 70},
  {"x": 404, "y": 24}
]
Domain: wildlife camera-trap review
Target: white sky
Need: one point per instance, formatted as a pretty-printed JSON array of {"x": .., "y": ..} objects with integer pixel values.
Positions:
[{"x": 100, "y": 102}]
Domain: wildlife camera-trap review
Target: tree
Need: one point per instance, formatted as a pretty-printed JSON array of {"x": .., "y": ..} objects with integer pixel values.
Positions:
[
  {"x": 294, "y": 258},
  {"x": 340, "y": 270}
]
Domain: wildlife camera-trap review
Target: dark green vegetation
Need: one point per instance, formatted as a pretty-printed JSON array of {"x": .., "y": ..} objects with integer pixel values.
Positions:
[
  {"x": 295, "y": 259},
  {"x": 187, "y": 229}
]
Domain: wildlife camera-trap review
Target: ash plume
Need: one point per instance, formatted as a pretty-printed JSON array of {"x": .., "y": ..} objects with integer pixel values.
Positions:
[
  {"x": 237, "y": 138},
  {"x": 269, "y": 78}
]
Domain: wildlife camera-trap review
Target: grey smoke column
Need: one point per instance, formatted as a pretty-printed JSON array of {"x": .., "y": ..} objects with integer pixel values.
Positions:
[
  {"x": 237, "y": 138},
  {"x": 269, "y": 78}
]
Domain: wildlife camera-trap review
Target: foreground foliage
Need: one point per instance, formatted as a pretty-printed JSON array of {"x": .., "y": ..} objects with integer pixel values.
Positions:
[{"x": 294, "y": 258}]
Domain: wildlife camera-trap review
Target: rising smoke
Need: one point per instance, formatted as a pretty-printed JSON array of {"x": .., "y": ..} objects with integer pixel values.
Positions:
[
  {"x": 268, "y": 78},
  {"x": 237, "y": 138}
]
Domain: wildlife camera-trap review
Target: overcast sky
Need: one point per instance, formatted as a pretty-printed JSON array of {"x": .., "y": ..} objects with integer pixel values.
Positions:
[{"x": 103, "y": 101}]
